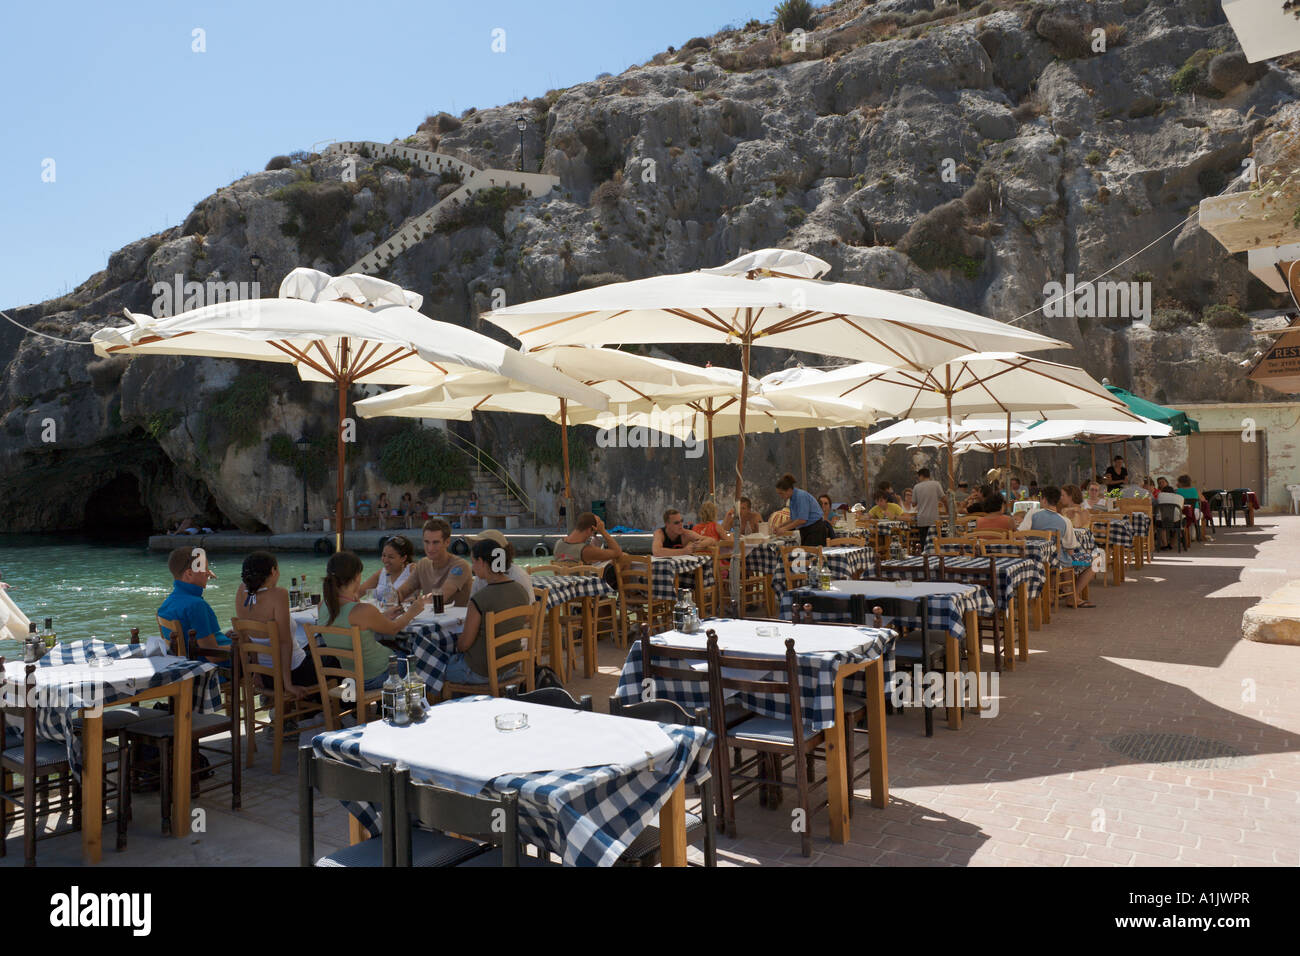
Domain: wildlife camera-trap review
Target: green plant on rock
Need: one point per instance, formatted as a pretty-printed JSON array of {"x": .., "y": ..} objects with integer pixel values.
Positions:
[
  {"x": 546, "y": 451},
  {"x": 485, "y": 208},
  {"x": 317, "y": 212},
  {"x": 240, "y": 408},
  {"x": 422, "y": 456},
  {"x": 1224, "y": 317},
  {"x": 794, "y": 15},
  {"x": 314, "y": 462},
  {"x": 161, "y": 423}
]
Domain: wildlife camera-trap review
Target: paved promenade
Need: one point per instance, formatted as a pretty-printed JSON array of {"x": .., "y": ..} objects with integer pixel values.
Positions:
[{"x": 1073, "y": 771}]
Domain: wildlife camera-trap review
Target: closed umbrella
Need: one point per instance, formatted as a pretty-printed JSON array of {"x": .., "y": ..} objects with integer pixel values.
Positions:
[
  {"x": 1176, "y": 420},
  {"x": 349, "y": 330}
]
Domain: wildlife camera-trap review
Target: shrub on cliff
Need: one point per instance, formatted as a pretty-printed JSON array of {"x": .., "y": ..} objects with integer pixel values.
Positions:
[
  {"x": 279, "y": 162},
  {"x": 422, "y": 456},
  {"x": 1225, "y": 317},
  {"x": 486, "y": 207},
  {"x": 794, "y": 15},
  {"x": 317, "y": 212}
]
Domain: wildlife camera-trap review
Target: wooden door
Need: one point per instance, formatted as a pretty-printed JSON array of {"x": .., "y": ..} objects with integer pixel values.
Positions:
[{"x": 1223, "y": 460}]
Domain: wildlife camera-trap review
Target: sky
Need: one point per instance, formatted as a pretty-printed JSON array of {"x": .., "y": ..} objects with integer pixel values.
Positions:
[{"x": 115, "y": 127}]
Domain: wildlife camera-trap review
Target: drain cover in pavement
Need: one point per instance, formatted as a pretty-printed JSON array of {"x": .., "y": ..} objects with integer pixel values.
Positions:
[{"x": 1183, "y": 750}]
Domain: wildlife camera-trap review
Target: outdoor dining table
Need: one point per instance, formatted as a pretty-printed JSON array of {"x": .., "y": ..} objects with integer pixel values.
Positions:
[
  {"x": 666, "y": 575},
  {"x": 1120, "y": 540},
  {"x": 828, "y": 656},
  {"x": 1041, "y": 550},
  {"x": 588, "y": 783},
  {"x": 70, "y": 682},
  {"x": 844, "y": 561},
  {"x": 1019, "y": 579},
  {"x": 951, "y": 607},
  {"x": 562, "y": 589}
]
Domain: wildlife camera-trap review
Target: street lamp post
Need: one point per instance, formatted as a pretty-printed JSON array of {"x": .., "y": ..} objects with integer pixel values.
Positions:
[
  {"x": 303, "y": 444},
  {"x": 521, "y": 124},
  {"x": 255, "y": 261}
]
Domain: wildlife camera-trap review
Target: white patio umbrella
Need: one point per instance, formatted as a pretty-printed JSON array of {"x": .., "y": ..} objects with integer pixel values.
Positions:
[
  {"x": 978, "y": 383},
  {"x": 624, "y": 378},
  {"x": 348, "y": 330},
  {"x": 1090, "y": 432},
  {"x": 774, "y": 298}
]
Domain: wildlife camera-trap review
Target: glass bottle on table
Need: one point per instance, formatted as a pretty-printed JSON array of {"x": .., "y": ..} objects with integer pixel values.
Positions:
[
  {"x": 393, "y": 696},
  {"x": 681, "y": 611},
  {"x": 50, "y": 637}
]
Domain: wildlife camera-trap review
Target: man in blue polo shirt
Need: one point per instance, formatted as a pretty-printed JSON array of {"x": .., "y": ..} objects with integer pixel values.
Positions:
[{"x": 190, "y": 575}]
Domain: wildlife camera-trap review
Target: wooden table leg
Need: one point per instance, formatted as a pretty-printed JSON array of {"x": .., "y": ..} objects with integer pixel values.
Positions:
[
  {"x": 953, "y": 655},
  {"x": 879, "y": 756},
  {"x": 183, "y": 727},
  {"x": 837, "y": 785},
  {"x": 356, "y": 832},
  {"x": 92, "y": 785},
  {"x": 1009, "y": 635},
  {"x": 974, "y": 651},
  {"x": 588, "y": 637},
  {"x": 1116, "y": 565},
  {"x": 1036, "y": 610},
  {"x": 672, "y": 828},
  {"x": 557, "y": 642},
  {"x": 1022, "y": 612}
]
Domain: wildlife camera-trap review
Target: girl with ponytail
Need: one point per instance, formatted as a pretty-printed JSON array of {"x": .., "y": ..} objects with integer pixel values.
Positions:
[
  {"x": 260, "y": 598},
  {"x": 342, "y": 607}
]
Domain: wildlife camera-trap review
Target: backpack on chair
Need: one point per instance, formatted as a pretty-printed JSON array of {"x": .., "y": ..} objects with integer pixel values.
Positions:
[{"x": 544, "y": 676}]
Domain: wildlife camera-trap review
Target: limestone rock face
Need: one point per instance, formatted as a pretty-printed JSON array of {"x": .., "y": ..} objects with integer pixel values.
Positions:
[{"x": 1062, "y": 160}]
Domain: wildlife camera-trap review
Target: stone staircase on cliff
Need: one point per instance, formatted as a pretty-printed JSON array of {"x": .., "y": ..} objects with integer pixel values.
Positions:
[
  {"x": 497, "y": 506},
  {"x": 417, "y": 228}
]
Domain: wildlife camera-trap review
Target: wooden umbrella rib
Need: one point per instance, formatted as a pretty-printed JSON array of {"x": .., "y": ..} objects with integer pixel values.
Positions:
[
  {"x": 567, "y": 318},
  {"x": 299, "y": 355},
  {"x": 147, "y": 340},
  {"x": 334, "y": 371},
  {"x": 392, "y": 358},
  {"x": 717, "y": 324}
]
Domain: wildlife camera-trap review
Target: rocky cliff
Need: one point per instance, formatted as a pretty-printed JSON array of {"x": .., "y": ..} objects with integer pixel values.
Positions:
[{"x": 971, "y": 155}]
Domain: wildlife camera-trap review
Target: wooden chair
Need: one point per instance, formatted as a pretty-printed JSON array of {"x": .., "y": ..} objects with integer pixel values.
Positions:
[
  {"x": 644, "y": 850},
  {"x": 795, "y": 556},
  {"x": 914, "y": 646},
  {"x": 160, "y": 732},
  {"x": 507, "y": 665},
  {"x": 931, "y": 569},
  {"x": 48, "y": 787},
  {"x": 334, "y": 666},
  {"x": 755, "y": 589},
  {"x": 1064, "y": 579},
  {"x": 257, "y": 641},
  {"x": 338, "y": 781},
  {"x": 604, "y": 612},
  {"x": 551, "y": 697},
  {"x": 996, "y": 626},
  {"x": 954, "y": 547},
  {"x": 771, "y": 740},
  {"x": 710, "y": 600},
  {"x": 844, "y": 542},
  {"x": 636, "y": 597},
  {"x": 1100, "y": 528},
  {"x": 550, "y": 569},
  {"x": 989, "y": 534}
]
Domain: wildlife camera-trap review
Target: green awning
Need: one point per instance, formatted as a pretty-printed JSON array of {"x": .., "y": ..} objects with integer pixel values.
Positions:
[{"x": 1178, "y": 421}]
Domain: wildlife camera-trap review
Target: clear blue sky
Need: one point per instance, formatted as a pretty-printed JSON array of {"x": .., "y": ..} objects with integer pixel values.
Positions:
[{"x": 141, "y": 128}]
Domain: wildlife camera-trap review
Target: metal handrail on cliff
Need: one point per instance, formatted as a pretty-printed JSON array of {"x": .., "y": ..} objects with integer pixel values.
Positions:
[{"x": 487, "y": 463}]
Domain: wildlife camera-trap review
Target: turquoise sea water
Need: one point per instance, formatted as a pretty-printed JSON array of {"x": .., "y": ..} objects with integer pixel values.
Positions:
[{"x": 93, "y": 589}]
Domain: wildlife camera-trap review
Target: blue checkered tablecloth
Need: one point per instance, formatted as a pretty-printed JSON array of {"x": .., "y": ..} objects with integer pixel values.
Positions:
[
  {"x": 844, "y": 563},
  {"x": 588, "y": 816},
  {"x": 816, "y": 677},
  {"x": 667, "y": 575},
  {"x": 1141, "y": 522},
  {"x": 428, "y": 650},
  {"x": 565, "y": 588},
  {"x": 945, "y": 611},
  {"x": 1040, "y": 549},
  {"x": 65, "y": 686},
  {"x": 1121, "y": 532},
  {"x": 1012, "y": 572}
]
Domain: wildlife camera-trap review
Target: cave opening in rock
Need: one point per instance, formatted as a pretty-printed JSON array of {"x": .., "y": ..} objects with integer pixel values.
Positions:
[{"x": 116, "y": 510}]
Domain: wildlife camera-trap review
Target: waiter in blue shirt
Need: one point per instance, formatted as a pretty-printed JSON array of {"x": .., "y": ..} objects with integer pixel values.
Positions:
[
  {"x": 805, "y": 513},
  {"x": 190, "y": 575}
]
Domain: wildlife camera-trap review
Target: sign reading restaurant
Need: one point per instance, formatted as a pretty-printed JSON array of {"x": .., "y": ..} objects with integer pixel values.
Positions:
[{"x": 1280, "y": 367}]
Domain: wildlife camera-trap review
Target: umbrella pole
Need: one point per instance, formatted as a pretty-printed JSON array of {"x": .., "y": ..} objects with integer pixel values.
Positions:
[
  {"x": 338, "y": 498},
  {"x": 1093, "y": 446},
  {"x": 713, "y": 487},
  {"x": 866, "y": 475},
  {"x": 740, "y": 463},
  {"x": 947, "y": 399},
  {"x": 803, "y": 462},
  {"x": 564, "y": 450}
]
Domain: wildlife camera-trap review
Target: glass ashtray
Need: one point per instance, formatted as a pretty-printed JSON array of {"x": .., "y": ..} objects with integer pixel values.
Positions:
[
  {"x": 513, "y": 721},
  {"x": 767, "y": 630}
]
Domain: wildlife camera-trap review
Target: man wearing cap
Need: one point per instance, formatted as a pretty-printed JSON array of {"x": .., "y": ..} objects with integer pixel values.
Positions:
[
  {"x": 515, "y": 572},
  {"x": 190, "y": 575},
  {"x": 439, "y": 571}
]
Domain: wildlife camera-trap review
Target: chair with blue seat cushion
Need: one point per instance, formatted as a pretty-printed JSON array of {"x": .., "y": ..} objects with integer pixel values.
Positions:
[
  {"x": 339, "y": 781},
  {"x": 644, "y": 849},
  {"x": 427, "y": 815}
]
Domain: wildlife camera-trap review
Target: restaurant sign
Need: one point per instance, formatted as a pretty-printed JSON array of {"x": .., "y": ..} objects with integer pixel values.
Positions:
[{"x": 1280, "y": 367}]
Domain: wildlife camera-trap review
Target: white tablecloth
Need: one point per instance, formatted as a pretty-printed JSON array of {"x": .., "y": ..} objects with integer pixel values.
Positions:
[
  {"x": 741, "y": 636},
  {"x": 461, "y": 746}
]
